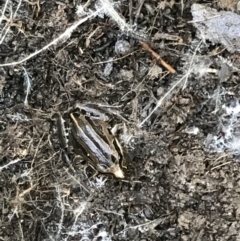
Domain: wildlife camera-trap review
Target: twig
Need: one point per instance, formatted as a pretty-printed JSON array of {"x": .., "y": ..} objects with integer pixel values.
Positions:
[
  {"x": 27, "y": 83},
  {"x": 109, "y": 10},
  {"x": 138, "y": 11},
  {"x": 114, "y": 60},
  {"x": 21, "y": 230},
  {"x": 205, "y": 19},
  {"x": 77, "y": 212},
  {"x": 107, "y": 211},
  {"x": 10, "y": 163},
  {"x": 151, "y": 225},
  {"x": 158, "y": 57},
  {"x": 221, "y": 165},
  {"x": 191, "y": 63},
  {"x": 62, "y": 207},
  {"x": 185, "y": 77},
  {"x": 76, "y": 180}
]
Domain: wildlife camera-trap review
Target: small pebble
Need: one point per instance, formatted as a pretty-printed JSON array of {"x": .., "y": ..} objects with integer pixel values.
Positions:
[{"x": 122, "y": 47}]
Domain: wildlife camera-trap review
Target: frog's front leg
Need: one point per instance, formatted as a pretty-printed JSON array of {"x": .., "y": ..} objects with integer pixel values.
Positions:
[
  {"x": 124, "y": 136},
  {"x": 116, "y": 128}
]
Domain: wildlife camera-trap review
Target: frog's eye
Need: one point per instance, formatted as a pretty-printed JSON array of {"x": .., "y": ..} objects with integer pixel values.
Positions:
[
  {"x": 104, "y": 166},
  {"x": 76, "y": 114}
]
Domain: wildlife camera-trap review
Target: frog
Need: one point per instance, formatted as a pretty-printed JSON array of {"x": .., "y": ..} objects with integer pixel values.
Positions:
[{"x": 91, "y": 136}]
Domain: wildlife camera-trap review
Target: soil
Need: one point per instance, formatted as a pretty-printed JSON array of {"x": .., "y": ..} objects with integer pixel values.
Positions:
[{"x": 176, "y": 185}]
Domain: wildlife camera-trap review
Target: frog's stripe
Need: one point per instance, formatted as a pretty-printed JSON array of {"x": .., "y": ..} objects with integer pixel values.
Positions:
[{"x": 96, "y": 154}]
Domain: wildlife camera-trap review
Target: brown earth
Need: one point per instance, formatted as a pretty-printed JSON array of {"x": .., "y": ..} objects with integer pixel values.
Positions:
[{"x": 175, "y": 188}]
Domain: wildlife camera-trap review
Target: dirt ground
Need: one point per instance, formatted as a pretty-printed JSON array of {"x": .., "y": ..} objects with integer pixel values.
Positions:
[{"x": 182, "y": 180}]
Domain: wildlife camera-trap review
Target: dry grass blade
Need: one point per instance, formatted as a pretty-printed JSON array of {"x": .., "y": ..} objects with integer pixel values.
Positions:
[{"x": 159, "y": 103}]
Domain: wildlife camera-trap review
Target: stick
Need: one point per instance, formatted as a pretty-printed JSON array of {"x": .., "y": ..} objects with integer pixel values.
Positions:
[{"x": 158, "y": 57}]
